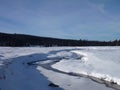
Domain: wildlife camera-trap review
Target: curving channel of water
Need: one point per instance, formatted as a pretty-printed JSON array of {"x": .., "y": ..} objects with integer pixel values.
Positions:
[{"x": 52, "y": 61}]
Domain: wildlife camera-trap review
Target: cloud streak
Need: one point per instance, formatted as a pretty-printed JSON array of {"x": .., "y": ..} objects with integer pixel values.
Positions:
[{"x": 74, "y": 19}]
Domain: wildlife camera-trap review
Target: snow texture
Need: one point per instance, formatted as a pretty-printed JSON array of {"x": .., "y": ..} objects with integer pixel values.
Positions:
[{"x": 58, "y": 65}]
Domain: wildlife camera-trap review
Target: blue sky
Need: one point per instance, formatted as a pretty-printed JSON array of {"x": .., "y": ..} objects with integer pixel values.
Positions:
[{"x": 70, "y": 19}]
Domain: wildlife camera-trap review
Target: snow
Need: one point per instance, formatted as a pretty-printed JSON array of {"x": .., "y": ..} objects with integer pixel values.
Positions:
[
  {"x": 100, "y": 63},
  {"x": 72, "y": 82},
  {"x": 69, "y": 67}
]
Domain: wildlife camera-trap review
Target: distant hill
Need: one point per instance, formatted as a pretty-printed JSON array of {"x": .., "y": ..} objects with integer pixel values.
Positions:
[{"x": 29, "y": 40}]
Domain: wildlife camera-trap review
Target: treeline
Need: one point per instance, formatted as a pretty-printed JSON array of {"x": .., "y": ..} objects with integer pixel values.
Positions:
[{"x": 29, "y": 40}]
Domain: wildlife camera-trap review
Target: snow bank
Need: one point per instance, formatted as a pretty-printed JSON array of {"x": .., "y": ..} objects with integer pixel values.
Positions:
[{"x": 99, "y": 62}]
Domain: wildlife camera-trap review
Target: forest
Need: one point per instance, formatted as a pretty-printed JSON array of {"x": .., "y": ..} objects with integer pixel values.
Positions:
[{"x": 20, "y": 40}]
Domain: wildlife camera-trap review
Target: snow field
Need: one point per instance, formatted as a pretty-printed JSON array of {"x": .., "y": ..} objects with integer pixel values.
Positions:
[{"x": 99, "y": 62}]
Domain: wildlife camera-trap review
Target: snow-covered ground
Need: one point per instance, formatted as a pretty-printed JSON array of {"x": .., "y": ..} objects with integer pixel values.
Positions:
[{"x": 71, "y": 68}]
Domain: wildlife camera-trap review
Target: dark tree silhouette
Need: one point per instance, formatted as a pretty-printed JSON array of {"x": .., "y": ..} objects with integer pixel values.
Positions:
[{"x": 18, "y": 40}]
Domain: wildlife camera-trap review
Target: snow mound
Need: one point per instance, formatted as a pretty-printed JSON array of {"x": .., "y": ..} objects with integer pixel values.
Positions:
[{"x": 97, "y": 64}]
